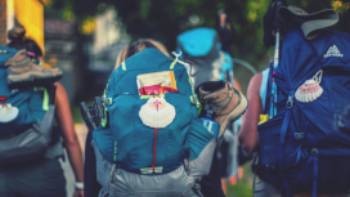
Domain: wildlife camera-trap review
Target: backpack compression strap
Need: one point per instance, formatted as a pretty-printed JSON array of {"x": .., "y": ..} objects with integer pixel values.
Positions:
[
  {"x": 48, "y": 96},
  {"x": 194, "y": 99}
]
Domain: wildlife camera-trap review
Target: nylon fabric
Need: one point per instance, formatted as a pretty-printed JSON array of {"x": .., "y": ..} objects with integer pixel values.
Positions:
[
  {"x": 131, "y": 146},
  {"x": 287, "y": 141}
]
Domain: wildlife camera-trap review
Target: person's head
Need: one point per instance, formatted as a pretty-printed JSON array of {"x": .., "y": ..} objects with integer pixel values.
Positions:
[
  {"x": 138, "y": 46},
  {"x": 16, "y": 36},
  {"x": 18, "y": 40}
]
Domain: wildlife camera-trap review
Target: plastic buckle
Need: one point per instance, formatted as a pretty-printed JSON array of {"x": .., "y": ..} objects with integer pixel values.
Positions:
[
  {"x": 299, "y": 135},
  {"x": 290, "y": 102},
  {"x": 107, "y": 100},
  {"x": 314, "y": 151}
]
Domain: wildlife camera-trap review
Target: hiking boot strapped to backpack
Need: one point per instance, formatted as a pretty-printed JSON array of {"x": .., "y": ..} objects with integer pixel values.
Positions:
[
  {"x": 226, "y": 103},
  {"x": 23, "y": 72}
]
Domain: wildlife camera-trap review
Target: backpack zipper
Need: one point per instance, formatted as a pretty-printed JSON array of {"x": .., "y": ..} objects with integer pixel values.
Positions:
[{"x": 154, "y": 160}]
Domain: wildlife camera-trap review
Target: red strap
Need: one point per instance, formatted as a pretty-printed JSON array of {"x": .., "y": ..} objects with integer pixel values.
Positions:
[
  {"x": 154, "y": 162},
  {"x": 3, "y": 98},
  {"x": 155, "y": 90}
]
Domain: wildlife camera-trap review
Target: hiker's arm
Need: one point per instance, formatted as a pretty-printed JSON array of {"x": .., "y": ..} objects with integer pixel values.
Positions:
[
  {"x": 71, "y": 142},
  {"x": 237, "y": 85},
  {"x": 248, "y": 133}
]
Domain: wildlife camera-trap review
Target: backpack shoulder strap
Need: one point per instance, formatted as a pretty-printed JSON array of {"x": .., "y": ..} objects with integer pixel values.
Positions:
[
  {"x": 56, "y": 149},
  {"x": 49, "y": 94},
  {"x": 51, "y": 90}
]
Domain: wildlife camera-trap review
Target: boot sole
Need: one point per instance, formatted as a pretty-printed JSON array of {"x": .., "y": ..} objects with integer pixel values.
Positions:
[{"x": 27, "y": 80}]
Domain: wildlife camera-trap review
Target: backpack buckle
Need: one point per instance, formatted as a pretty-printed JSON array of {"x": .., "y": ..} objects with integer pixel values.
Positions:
[
  {"x": 299, "y": 135},
  {"x": 290, "y": 102},
  {"x": 314, "y": 151}
]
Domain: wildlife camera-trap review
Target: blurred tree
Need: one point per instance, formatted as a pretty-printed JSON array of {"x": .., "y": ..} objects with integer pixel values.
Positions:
[{"x": 164, "y": 19}]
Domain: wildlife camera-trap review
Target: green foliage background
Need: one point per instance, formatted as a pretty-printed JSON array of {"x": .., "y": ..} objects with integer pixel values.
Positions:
[{"x": 164, "y": 19}]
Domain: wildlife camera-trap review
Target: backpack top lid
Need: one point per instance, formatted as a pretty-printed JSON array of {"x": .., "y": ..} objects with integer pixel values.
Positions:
[
  {"x": 124, "y": 78},
  {"x": 301, "y": 58},
  {"x": 198, "y": 42}
]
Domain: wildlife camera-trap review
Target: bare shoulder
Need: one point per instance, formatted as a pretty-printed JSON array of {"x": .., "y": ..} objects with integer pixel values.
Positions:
[
  {"x": 254, "y": 84},
  {"x": 256, "y": 79},
  {"x": 59, "y": 86},
  {"x": 61, "y": 93},
  {"x": 60, "y": 89}
]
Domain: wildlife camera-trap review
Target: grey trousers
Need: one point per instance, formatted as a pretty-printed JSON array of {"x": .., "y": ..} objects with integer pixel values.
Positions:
[
  {"x": 181, "y": 182},
  {"x": 263, "y": 189}
]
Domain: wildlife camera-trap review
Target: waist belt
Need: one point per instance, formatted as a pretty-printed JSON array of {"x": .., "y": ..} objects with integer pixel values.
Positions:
[{"x": 150, "y": 170}]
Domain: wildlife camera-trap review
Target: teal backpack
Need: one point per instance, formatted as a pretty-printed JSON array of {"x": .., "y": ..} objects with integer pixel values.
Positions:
[
  {"x": 29, "y": 135},
  {"x": 152, "y": 116}
]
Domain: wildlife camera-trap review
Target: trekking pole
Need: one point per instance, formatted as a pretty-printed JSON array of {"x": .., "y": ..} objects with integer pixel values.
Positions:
[
  {"x": 276, "y": 5},
  {"x": 245, "y": 65},
  {"x": 273, "y": 100}
]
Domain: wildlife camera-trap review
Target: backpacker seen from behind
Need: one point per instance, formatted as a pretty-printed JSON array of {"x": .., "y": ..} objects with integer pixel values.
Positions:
[
  {"x": 151, "y": 114},
  {"x": 28, "y": 135},
  {"x": 302, "y": 149}
]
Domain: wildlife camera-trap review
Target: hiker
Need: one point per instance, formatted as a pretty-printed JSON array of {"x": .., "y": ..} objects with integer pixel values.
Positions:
[
  {"x": 161, "y": 167},
  {"x": 152, "y": 178},
  {"x": 301, "y": 150},
  {"x": 256, "y": 113},
  {"x": 93, "y": 186},
  {"x": 209, "y": 64},
  {"x": 32, "y": 142}
]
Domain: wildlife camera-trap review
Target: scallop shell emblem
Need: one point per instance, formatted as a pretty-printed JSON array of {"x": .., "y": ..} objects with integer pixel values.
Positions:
[
  {"x": 157, "y": 113},
  {"x": 311, "y": 89},
  {"x": 8, "y": 113}
]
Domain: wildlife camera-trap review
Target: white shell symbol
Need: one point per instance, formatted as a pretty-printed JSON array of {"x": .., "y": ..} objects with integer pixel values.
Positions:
[
  {"x": 310, "y": 90},
  {"x": 157, "y": 113},
  {"x": 8, "y": 113}
]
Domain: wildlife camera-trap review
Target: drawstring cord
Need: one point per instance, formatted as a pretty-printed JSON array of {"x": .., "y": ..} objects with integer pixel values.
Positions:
[
  {"x": 178, "y": 60},
  {"x": 154, "y": 161}
]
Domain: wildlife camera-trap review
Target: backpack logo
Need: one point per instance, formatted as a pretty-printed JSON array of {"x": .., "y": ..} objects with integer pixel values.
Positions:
[
  {"x": 157, "y": 113},
  {"x": 8, "y": 113},
  {"x": 333, "y": 51},
  {"x": 310, "y": 90}
]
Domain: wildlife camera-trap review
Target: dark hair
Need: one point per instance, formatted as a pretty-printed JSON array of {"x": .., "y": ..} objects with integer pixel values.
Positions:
[
  {"x": 32, "y": 47},
  {"x": 16, "y": 35},
  {"x": 18, "y": 41},
  {"x": 138, "y": 46}
]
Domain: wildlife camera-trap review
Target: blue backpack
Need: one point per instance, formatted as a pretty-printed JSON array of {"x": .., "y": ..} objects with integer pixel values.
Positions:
[
  {"x": 302, "y": 149},
  {"x": 202, "y": 47},
  {"x": 152, "y": 116},
  {"x": 29, "y": 135}
]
